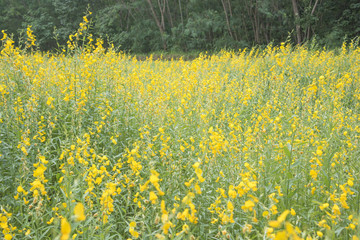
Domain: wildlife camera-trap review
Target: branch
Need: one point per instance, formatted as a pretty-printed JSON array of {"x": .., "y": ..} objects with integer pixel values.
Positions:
[{"x": 313, "y": 10}]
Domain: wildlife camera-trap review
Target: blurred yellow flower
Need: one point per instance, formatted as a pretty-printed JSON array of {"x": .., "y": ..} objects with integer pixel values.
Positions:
[
  {"x": 50, "y": 221},
  {"x": 65, "y": 229},
  {"x": 79, "y": 212},
  {"x": 323, "y": 206},
  {"x": 292, "y": 211},
  {"x": 152, "y": 197},
  {"x": 8, "y": 237},
  {"x": 336, "y": 209},
  {"x": 277, "y": 223},
  {"x": 248, "y": 206}
]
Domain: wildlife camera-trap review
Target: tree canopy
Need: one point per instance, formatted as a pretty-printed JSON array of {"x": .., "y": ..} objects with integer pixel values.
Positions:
[{"x": 144, "y": 26}]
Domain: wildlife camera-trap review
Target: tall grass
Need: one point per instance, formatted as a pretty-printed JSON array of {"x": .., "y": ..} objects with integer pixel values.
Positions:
[{"x": 250, "y": 144}]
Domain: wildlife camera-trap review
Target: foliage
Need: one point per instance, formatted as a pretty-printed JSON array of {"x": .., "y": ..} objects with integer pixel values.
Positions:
[{"x": 143, "y": 26}]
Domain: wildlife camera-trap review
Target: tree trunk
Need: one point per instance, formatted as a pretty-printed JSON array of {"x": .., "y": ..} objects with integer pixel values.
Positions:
[
  {"x": 162, "y": 12},
  {"x": 297, "y": 21},
  {"x": 181, "y": 15},
  {"x": 169, "y": 14},
  {"x": 227, "y": 19},
  {"x": 252, "y": 12},
  {"x": 257, "y": 23},
  {"x": 311, "y": 14},
  {"x": 158, "y": 23}
]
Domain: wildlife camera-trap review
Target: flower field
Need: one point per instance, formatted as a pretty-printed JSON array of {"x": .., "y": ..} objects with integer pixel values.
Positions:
[{"x": 256, "y": 144}]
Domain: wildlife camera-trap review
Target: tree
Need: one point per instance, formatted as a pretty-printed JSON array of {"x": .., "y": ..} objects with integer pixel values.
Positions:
[
  {"x": 160, "y": 22},
  {"x": 297, "y": 21},
  {"x": 152, "y": 25}
]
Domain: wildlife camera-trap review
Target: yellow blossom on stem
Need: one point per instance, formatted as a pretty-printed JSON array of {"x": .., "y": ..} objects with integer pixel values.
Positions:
[
  {"x": 336, "y": 209},
  {"x": 280, "y": 220},
  {"x": 152, "y": 197},
  {"x": 323, "y": 206},
  {"x": 65, "y": 229},
  {"x": 248, "y": 206},
  {"x": 79, "y": 212}
]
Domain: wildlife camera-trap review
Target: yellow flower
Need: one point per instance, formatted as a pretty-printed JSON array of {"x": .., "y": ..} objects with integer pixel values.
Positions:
[
  {"x": 43, "y": 160},
  {"x": 313, "y": 174},
  {"x": 293, "y": 213},
  {"x": 198, "y": 173},
  {"x": 163, "y": 208},
  {"x": 153, "y": 197},
  {"x": 319, "y": 152},
  {"x": 323, "y": 206},
  {"x": 336, "y": 210},
  {"x": 61, "y": 179},
  {"x": 166, "y": 227},
  {"x": 269, "y": 230},
  {"x": 133, "y": 233},
  {"x": 350, "y": 183},
  {"x": 322, "y": 223},
  {"x": 247, "y": 228},
  {"x": 274, "y": 224},
  {"x": 182, "y": 148},
  {"x": 23, "y": 149},
  {"x": 281, "y": 235},
  {"x": 230, "y": 206},
  {"x": 188, "y": 184},
  {"x": 7, "y": 237},
  {"x": 197, "y": 189},
  {"x": 50, "y": 221},
  {"x": 274, "y": 210},
  {"x": 280, "y": 220},
  {"x": 283, "y": 216},
  {"x": 4, "y": 35},
  {"x": 248, "y": 206},
  {"x": 20, "y": 189},
  {"x": 65, "y": 229},
  {"x": 265, "y": 213},
  {"x": 185, "y": 228},
  {"x": 160, "y": 236},
  {"x": 79, "y": 212},
  {"x": 105, "y": 219},
  {"x": 49, "y": 100},
  {"x": 232, "y": 193}
]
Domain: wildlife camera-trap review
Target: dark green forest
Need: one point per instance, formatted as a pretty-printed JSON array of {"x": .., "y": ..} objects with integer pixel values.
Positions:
[{"x": 143, "y": 26}]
